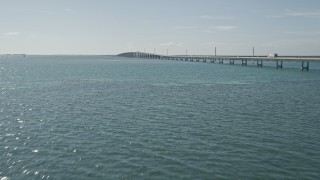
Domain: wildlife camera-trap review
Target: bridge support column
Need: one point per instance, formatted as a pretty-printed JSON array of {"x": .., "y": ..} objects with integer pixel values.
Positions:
[
  {"x": 259, "y": 63},
  {"x": 231, "y": 61},
  {"x": 204, "y": 60},
  {"x": 304, "y": 67},
  {"x": 279, "y": 65},
  {"x": 244, "y": 62},
  {"x": 220, "y": 61},
  {"x": 212, "y": 60}
]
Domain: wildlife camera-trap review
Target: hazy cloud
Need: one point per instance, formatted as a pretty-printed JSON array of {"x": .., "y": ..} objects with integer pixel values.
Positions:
[
  {"x": 171, "y": 44},
  {"x": 315, "y": 14},
  {"x": 289, "y": 13},
  {"x": 12, "y": 33},
  {"x": 216, "y": 17},
  {"x": 220, "y": 28},
  {"x": 303, "y": 32},
  {"x": 67, "y": 10},
  {"x": 225, "y": 28},
  {"x": 211, "y": 44},
  {"x": 208, "y": 31}
]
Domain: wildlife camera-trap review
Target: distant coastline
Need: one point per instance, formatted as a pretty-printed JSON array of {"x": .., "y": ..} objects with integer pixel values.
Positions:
[{"x": 12, "y": 55}]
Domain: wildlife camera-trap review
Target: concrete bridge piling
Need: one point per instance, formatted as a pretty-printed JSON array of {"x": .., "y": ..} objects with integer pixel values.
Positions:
[{"x": 305, "y": 60}]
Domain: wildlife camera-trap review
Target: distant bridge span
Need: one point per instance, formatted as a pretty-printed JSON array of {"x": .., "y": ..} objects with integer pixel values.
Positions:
[{"x": 305, "y": 60}]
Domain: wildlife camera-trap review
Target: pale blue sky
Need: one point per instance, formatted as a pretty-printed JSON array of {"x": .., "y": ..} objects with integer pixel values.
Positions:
[{"x": 287, "y": 27}]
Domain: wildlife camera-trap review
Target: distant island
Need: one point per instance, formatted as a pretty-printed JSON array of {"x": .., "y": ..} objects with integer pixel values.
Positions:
[{"x": 13, "y": 55}]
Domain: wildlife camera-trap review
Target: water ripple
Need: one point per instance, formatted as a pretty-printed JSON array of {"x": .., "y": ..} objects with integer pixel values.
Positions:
[{"x": 78, "y": 119}]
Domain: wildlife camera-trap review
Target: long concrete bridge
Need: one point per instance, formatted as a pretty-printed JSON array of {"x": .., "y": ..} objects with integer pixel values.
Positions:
[{"x": 305, "y": 60}]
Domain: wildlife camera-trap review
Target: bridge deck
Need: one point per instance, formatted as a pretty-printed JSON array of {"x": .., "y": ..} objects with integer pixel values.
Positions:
[
  {"x": 259, "y": 59},
  {"x": 265, "y": 58}
]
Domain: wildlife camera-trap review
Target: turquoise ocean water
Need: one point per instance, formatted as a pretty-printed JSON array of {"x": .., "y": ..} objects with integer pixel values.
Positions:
[{"x": 106, "y": 117}]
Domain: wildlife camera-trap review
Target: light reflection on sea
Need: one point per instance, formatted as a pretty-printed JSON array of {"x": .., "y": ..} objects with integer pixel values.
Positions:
[{"x": 104, "y": 117}]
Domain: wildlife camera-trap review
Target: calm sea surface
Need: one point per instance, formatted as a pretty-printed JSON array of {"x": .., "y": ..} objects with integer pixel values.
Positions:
[{"x": 106, "y": 117}]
